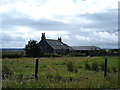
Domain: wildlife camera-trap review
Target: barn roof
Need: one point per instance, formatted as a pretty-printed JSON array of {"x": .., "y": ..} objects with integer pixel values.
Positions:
[
  {"x": 56, "y": 44},
  {"x": 85, "y": 48}
]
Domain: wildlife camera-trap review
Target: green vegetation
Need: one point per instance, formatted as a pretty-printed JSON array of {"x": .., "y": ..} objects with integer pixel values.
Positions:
[
  {"x": 60, "y": 72},
  {"x": 32, "y": 49},
  {"x": 51, "y": 55},
  {"x": 77, "y": 54}
]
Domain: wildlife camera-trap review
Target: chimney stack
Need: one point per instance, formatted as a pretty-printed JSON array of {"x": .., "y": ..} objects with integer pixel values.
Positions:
[
  {"x": 60, "y": 39},
  {"x": 43, "y": 36}
]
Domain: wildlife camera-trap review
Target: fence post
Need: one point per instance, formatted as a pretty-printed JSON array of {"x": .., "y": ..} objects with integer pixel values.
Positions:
[
  {"x": 105, "y": 68},
  {"x": 36, "y": 69}
]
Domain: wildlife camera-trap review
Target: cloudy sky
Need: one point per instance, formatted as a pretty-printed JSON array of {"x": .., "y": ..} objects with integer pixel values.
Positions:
[{"x": 78, "y": 22}]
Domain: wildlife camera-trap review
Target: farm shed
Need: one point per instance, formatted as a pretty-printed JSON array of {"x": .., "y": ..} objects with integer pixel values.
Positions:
[{"x": 85, "y": 48}]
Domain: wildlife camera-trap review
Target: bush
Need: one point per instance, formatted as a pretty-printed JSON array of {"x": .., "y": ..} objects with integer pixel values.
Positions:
[
  {"x": 108, "y": 69},
  {"x": 32, "y": 49},
  {"x": 94, "y": 66},
  {"x": 6, "y": 72},
  {"x": 70, "y": 66},
  {"x": 102, "y": 66},
  {"x": 114, "y": 69},
  {"x": 43, "y": 66},
  {"x": 51, "y": 55},
  {"x": 87, "y": 66},
  {"x": 58, "y": 77},
  {"x": 77, "y": 54}
]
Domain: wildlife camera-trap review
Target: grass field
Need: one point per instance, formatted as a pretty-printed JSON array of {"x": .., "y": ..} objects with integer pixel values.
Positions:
[{"x": 60, "y": 72}]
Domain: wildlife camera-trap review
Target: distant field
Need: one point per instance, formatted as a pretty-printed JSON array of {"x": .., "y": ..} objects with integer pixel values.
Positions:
[
  {"x": 54, "y": 72},
  {"x": 13, "y": 53}
]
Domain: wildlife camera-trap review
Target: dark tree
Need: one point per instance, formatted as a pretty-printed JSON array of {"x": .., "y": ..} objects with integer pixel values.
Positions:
[{"x": 32, "y": 49}]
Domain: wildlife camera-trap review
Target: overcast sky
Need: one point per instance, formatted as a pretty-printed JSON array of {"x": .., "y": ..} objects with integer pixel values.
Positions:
[{"x": 78, "y": 22}]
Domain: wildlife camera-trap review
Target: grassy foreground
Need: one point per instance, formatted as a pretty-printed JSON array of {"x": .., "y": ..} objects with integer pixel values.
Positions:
[{"x": 60, "y": 72}]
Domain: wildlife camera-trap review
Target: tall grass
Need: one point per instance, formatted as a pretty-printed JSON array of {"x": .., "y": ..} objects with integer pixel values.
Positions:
[
  {"x": 94, "y": 66},
  {"x": 58, "y": 72},
  {"x": 70, "y": 66},
  {"x": 87, "y": 66}
]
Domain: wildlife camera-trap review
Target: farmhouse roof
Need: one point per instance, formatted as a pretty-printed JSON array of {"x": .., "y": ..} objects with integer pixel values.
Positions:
[
  {"x": 56, "y": 44},
  {"x": 86, "y": 48}
]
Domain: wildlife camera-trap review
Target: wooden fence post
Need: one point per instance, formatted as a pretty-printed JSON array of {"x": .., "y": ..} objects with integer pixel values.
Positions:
[
  {"x": 36, "y": 69},
  {"x": 105, "y": 68}
]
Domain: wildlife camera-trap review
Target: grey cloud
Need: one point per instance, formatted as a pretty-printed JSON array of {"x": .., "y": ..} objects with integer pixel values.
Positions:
[
  {"x": 12, "y": 41},
  {"x": 7, "y": 37},
  {"x": 11, "y": 22},
  {"x": 106, "y": 20},
  {"x": 42, "y": 24}
]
